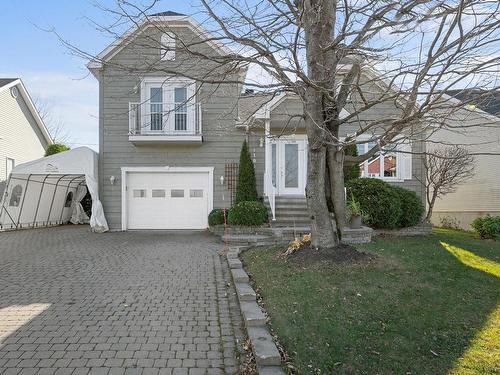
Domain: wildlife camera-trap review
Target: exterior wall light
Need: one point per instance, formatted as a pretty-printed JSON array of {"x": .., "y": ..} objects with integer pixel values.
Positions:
[{"x": 112, "y": 179}]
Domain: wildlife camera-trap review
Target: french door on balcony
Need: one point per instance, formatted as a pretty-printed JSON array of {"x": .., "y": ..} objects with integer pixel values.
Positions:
[{"x": 169, "y": 107}]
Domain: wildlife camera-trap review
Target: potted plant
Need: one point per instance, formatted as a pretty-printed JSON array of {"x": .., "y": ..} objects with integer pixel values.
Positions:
[{"x": 354, "y": 208}]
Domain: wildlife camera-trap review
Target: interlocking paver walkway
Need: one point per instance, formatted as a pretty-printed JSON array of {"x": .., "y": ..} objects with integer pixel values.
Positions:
[{"x": 74, "y": 302}]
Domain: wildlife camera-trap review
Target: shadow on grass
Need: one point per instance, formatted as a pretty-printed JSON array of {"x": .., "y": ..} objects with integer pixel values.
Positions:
[
  {"x": 483, "y": 353},
  {"x": 415, "y": 310}
]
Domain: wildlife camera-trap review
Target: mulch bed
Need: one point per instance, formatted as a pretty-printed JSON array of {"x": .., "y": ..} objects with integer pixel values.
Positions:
[{"x": 341, "y": 254}]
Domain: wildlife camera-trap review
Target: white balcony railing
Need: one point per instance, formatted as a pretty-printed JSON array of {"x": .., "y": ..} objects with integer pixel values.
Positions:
[{"x": 168, "y": 119}]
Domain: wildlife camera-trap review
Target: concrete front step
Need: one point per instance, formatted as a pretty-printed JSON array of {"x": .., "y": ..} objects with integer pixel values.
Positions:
[
  {"x": 288, "y": 198},
  {"x": 291, "y": 216},
  {"x": 293, "y": 208},
  {"x": 290, "y": 221}
]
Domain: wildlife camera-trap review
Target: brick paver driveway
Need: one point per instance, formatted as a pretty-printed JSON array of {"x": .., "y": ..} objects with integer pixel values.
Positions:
[{"x": 74, "y": 302}]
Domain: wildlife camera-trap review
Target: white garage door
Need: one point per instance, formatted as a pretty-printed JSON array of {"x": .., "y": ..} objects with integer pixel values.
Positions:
[{"x": 167, "y": 200}]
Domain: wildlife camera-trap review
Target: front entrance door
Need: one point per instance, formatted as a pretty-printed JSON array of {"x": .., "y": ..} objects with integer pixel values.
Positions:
[{"x": 290, "y": 156}]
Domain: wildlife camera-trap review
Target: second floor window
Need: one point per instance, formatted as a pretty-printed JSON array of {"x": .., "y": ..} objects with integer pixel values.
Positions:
[
  {"x": 180, "y": 96},
  {"x": 167, "y": 106},
  {"x": 167, "y": 47},
  {"x": 156, "y": 110}
]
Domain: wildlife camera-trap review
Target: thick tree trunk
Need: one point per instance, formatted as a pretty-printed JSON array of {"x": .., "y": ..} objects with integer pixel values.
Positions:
[
  {"x": 317, "y": 18},
  {"x": 322, "y": 229},
  {"x": 335, "y": 159}
]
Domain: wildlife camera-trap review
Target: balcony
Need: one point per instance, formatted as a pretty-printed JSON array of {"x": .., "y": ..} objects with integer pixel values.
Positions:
[{"x": 165, "y": 123}]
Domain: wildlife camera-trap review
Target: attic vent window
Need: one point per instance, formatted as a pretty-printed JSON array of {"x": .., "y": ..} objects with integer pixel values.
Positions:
[
  {"x": 14, "y": 92},
  {"x": 167, "y": 47}
]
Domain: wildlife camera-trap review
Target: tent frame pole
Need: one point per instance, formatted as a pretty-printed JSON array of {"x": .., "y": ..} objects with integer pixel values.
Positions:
[
  {"x": 52, "y": 201},
  {"x": 39, "y": 199},
  {"x": 22, "y": 203}
]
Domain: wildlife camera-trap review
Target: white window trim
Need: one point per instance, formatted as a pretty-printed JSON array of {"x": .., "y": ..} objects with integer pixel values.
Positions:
[
  {"x": 126, "y": 170},
  {"x": 168, "y": 83},
  {"x": 166, "y": 40}
]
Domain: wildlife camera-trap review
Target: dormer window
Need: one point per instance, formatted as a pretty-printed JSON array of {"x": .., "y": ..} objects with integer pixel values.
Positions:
[{"x": 167, "y": 47}]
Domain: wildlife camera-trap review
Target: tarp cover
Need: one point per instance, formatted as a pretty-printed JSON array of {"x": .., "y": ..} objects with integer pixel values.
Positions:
[{"x": 79, "y": 161}]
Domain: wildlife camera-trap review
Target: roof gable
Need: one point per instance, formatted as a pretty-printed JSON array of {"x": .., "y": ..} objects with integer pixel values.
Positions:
[
  {"x": 172, "y": 19},
  {"x": 11, "y": 82}
]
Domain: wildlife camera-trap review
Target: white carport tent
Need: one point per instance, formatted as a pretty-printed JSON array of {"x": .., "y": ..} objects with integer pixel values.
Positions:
[{"x": 45, "y": 184}]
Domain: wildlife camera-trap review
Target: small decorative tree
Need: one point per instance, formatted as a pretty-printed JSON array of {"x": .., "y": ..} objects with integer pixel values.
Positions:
[
  {"x": 55, "y": 148},
  {"x": 446, "y": 169},
  {"x": 246, "y": 189}
]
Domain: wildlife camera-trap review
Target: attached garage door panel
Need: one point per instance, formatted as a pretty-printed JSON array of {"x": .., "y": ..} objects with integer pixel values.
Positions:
[{"x": 167, "y": 200}]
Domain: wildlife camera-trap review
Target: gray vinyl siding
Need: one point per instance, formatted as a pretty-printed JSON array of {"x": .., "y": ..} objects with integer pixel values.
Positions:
[
  {"x": 120, "y": 84},
  {"x": 221, "y": 139},
  {"x": 20, "y": 136},
  {"x": 290, "y": 107},
  {"x": 479, "y": 195}
]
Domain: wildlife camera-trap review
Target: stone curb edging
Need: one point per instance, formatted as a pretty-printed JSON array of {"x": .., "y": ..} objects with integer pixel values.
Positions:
[{"x": 266, "y": 353}]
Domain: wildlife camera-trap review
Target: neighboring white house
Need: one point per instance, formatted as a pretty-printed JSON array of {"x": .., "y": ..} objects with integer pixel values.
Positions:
[
  {"x": 478, "y": 130},
  {"x": 23, "y": 135}
]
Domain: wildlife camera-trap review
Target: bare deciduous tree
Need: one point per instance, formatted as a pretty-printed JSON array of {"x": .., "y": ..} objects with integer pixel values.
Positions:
[
  {"x": 446, "y": 169},
  {"x": 339, "y": 56},
  {"x": 54, "y": 127}
]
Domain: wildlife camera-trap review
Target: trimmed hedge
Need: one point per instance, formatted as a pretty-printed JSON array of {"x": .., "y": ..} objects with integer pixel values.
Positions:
[
  {"x": 216, "y": 217},
  {"x": 411, "y": 206},
  {"x": 386, "y": 206},
  {"x": 379, "y": 202},
  {"x": 487, "y": 226},
  {"x": 251, "y": 213}
]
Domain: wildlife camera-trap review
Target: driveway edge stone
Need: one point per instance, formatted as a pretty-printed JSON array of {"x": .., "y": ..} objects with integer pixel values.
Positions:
[{"x": 265, "y": 351}]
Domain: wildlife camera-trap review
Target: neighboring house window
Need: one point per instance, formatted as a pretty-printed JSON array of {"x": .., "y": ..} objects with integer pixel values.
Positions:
[
  {"x": 15, "y": 196},
  {"x": 167, "y": 47},
  {"x": 69, "y": 199},
  {"x": 392, "y": 163}
]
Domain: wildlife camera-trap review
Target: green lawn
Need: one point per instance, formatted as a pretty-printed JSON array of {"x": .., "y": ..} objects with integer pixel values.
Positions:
[{"x": 424, "y": 306}]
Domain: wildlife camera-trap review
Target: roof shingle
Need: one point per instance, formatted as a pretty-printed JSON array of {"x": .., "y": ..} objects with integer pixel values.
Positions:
[{"x": 6, "y": 81}]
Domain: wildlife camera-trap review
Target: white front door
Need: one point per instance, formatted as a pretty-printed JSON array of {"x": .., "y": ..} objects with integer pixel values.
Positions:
[{"x": 289, "y": 158}]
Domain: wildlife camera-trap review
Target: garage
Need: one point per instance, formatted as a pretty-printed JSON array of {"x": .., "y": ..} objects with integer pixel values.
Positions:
[{"x": 166, "y": 197}]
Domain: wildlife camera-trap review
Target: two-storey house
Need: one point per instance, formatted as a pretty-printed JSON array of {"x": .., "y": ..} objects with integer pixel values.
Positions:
[{"x": 172, "y": 125}]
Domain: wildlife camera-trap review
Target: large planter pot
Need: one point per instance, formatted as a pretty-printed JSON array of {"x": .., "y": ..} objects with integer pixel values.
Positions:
[{"x": 355, "y": 221}]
